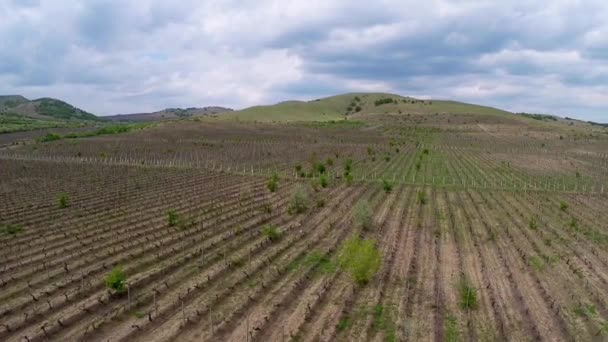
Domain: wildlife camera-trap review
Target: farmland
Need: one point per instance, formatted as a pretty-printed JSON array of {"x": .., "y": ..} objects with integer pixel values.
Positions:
[{"x": 487, "y": 226}]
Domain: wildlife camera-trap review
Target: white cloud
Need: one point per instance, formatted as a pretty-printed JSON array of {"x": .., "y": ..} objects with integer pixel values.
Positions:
[{"x": 108, "y": 56}]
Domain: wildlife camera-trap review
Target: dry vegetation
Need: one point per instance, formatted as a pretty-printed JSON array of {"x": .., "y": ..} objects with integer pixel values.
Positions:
[{"x": 398, "y": 227}]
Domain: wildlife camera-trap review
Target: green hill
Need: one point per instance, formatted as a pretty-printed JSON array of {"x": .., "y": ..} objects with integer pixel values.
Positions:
[
  {"x": 354, "y": 105},
  {"x": 17, "y": 113}
]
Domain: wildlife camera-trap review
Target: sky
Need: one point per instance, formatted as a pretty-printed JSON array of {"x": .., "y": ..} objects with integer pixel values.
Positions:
[{"x": 110, "y": 57}]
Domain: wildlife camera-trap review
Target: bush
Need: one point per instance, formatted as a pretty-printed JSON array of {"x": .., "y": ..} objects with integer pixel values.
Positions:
[
  {"x": 323, "y": 181},
  {"x": 422, "y": 197},
  {"x": 172, "y": 218},
  {"x": 329, "y": 162},
  {"x": 468, "y": 295},
  {"x": 348, "y": 166},
  {"x": 11, "y": 229},
  {"x": 271, "y": 232},
  {"x": 273, "y": 182},
  {"x": 563, "y": 206},
  {"x": 49, "y": 137},
  {"x": 363, "y": 214},
  {"x": 533, "y": 224},
  {"x": 387, "y": 186},
  {"x": 360, "y": 258},
  {"x": 63, "y": 201},
  {"x": 349, "y": 178},
  {"x": 299, "y": 200},
  {"x": 320, "y": 168},
  {"x": 116, "y": 280}
]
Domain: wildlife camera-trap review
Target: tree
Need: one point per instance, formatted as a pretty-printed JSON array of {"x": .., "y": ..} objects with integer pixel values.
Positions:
[
  {"x": 299, "y": 200},
  {"x": 363, "y": 214},
  {"x": 360, "y": 258}
]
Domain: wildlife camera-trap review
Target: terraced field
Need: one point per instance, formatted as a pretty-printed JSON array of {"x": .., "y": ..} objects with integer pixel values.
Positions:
[{"x": 483, "y": 233}]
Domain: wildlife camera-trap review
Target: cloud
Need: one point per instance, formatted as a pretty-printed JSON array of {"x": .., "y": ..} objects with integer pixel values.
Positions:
[{"x": 133, "y": 55}]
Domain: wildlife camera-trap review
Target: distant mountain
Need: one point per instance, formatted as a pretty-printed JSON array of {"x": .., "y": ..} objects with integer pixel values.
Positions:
[
  {"x": 43, "y": 109},
  {"x": 168, "y": 114}
]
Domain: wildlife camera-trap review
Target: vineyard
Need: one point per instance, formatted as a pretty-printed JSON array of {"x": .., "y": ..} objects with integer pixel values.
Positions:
[{"x": 385, "y": 228}]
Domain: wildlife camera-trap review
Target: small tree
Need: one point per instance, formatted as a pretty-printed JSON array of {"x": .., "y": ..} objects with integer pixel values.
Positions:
[
  {"x": 299, "y": 200},
  {"x": 273, "y": 182},
  {"x": 360, "y": 258},
  {"x": 116, "y": 280},
  {"x": 363, "y": 214},
  {"x": 63, "y": 201}
]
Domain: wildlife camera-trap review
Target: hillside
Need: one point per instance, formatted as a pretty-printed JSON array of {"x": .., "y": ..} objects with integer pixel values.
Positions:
[
  {"x": 18, "y": 113},
  {"x": 354, "y": 105},
  {"x": 168, "y": 114}
]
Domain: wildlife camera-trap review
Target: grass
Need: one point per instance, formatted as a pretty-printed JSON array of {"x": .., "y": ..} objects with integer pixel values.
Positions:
[
  {"x": 452, "y": 332},
  {"x": 467, "y": 295},
  {"x": 585, "y": 310}
]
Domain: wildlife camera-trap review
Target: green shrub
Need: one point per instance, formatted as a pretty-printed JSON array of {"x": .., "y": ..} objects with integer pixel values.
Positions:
[
  {"x": 49, "y": 137},
  {"x": 348, "y": 165},
  {"x": 329, "y": 162},
  {"x": 422, "y": 197},
  {"x": 533, "y": 224},
  {"x": 563, "y": 206},
  {"x": 467, "y": 295},
  {"x": 299, "y": 200},
  {"x": 349, "y": 178},
  {"x": 11, "y": 229},
  {"x": 362, "y": 214},
  {"x": 320, "y": 168},
  {"x": 387, "y": 186},
  {"x": 63, "y": 201},
  {"x": 116, "y": 280},
  {"x": 360, "y": 258},
  {"x": 323, "y": 181},
  {"x": 273, "y": 182},
  {"x": 172, "y": 218},
  {"x": 271, "y": 232}
]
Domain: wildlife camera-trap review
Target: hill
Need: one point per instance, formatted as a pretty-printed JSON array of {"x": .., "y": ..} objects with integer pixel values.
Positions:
[
  {"x": 18, "y": 113},
  {"x": 354, "y": 105},
  {"x": 168, "y": 114}
]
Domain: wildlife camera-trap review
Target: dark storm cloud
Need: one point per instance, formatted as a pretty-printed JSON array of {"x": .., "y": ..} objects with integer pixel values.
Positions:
[{"x": 120, "y": 56}]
